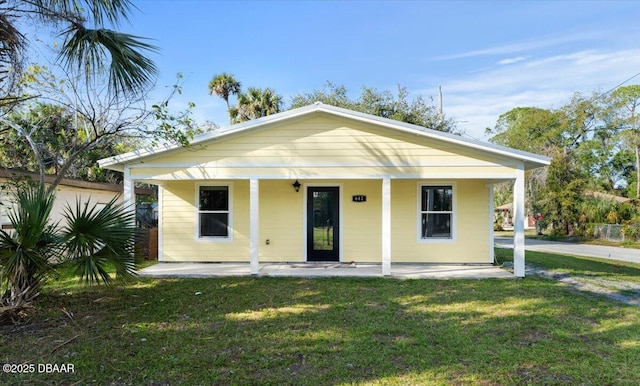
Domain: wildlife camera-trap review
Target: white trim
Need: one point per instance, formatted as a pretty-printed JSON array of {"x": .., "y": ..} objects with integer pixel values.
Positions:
[
  {"x": 300, "y": 174},
  {"x": 304, "y": 221},
  {"x": 214, "y": 165},
  {"x": 305, "y": 197},
  {"x": 160, "y": 222},
  {"x": 386, "y": 226},
  {"x": 128, "y": 191},
  {"x": 492, "y": 257},
  {"x": 254, "y": 225},
  {"x": 454, "y": 212},
  {"x": 231, "y": 230},
  {"x": 518, "y": 224}
]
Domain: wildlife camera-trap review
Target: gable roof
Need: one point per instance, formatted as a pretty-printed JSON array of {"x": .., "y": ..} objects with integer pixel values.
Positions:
[{"x": 531, "y": 161}]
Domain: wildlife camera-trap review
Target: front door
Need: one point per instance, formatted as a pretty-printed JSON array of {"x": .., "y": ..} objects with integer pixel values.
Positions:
[{"x": 323, "y": 209}]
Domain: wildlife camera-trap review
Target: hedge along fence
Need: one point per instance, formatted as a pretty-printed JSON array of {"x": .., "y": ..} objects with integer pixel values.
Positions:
[{"x": 617, "y": 232}]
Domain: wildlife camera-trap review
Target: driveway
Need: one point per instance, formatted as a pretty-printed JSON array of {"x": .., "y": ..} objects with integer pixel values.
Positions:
[{"x": 613, "y": 253}]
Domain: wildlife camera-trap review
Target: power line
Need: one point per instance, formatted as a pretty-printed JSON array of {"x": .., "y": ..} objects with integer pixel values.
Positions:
[{"x": 607, "y": 92}]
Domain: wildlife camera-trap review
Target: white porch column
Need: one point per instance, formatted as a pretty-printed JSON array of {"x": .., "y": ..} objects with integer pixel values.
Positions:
[
  {"x": 518, "y": 223},
  {"x": 160, "y": 220},
  {"x": 254, "y": 224},
  {"x": 492, "y": 257},
  {"x": 128, "y": 191},
  {"x": 386, "y": 226}
]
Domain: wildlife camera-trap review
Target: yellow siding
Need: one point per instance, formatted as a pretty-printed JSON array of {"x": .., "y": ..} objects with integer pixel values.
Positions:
[
  {"x": 472, "y": 225},
  {"x": 362, "y": 221},
  {"x": 321, "y": 145},
  {"x": 179, "y": 241},
  {"x": 281, "y": 222}
]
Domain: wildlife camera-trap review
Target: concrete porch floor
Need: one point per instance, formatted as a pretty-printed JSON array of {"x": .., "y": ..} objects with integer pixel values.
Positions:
[{"x": 402, "y": 271}]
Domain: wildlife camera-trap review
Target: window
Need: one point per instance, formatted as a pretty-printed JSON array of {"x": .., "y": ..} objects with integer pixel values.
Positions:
[
  {"x": 214, "y": 215},
  {"x": 436, "y": 212}
]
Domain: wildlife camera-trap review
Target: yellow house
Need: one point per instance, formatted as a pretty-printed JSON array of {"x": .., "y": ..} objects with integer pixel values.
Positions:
[{"x": 322, "y": 183}]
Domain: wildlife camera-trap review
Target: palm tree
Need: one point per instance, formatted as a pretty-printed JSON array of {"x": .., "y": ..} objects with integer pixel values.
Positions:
[
  {"x": 224, "y": 85},
  {"x": 88, "y": 45},
  {"x": 92, "y": 240},
  {"x": 256, "y": 103}
]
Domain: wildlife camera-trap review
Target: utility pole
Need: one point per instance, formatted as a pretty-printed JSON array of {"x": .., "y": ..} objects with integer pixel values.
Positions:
[{"x": 440, "y": 113}]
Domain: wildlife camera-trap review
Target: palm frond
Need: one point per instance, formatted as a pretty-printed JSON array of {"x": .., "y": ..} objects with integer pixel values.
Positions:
[
  {"x": 97, "y": 239},
  {"x": 12, "y": 44},
  {"x": 111, "y": 10},
  {"x": 87, "y": 49},
  {"x": 27, "y": 253},
  {"x": 97, "y": 11}
]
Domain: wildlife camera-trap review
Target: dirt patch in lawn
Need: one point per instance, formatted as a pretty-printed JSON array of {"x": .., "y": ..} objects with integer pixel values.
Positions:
[{"x": 621, "y": 291}]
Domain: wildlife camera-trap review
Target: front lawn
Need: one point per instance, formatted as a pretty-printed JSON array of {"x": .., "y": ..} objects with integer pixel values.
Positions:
[{"x": 327, "y": 331}]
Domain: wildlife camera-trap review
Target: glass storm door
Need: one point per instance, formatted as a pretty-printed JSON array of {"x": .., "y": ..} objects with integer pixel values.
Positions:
[{"x": 323, "y": 209}]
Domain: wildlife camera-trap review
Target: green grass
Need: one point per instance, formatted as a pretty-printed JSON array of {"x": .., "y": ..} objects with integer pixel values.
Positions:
[
  {"x": 330, "y": 331},
  {"x": 578, "y": 266}
]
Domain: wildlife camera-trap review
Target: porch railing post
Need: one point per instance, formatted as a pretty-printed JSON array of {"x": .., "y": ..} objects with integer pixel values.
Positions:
[
  {"x": 254, "y": 224},
  {"x": 386, "y": 226},
  {"x": 518, "y": 223}
]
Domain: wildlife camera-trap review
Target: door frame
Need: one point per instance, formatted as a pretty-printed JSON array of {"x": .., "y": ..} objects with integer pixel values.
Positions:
[{"x": 305, "y": 197}]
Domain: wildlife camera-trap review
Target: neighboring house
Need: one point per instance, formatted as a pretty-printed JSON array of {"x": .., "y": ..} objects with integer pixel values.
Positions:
[
  {"x": 322, "y": 183},
  {"x": 506, "y": 214},
  {"x": 506, "y": 210},
  {"x": 608, "y": 197},
  {"x": 67, "y": 193}
]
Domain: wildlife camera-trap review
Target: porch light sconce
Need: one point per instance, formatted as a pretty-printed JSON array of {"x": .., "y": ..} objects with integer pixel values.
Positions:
[{"x": 296, "y": 186}]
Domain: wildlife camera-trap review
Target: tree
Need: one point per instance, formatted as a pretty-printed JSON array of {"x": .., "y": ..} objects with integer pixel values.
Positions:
[
  {"x": 255, "y": 103},
  {"x": 383, "y": 104},
  {"x": 224, "y": 85},
  {"x": 52, "y": 126},
  {"x": 331, "y": 94},
  {"x": 563, "y": 194},
  {"x": 100, "y": 119},
  {"x": 90, "y": 45},
  {"x": 626, "y": 101},
  {"x": 91, "y": 240},
  {"x": 581, "y": 133},
  {"x": 528, "y": 128}
]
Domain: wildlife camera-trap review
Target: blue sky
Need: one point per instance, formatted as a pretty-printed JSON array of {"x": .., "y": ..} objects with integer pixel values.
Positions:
[{"x": 488, "y": 57}]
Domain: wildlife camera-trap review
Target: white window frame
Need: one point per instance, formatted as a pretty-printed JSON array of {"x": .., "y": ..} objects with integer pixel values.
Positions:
[
  {"x": 230, "y": 232},
  {"x": 453, "y": 212}
]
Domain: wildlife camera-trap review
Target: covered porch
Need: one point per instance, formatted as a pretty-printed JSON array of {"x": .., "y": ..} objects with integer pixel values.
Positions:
[{"x": 390, "y": 251}]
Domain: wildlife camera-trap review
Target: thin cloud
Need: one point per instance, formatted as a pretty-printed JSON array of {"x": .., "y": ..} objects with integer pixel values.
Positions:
[
  {"x": 512, "y": 60},
  {"x": 521, "y": 46},
  {"x": 478, "y": 99}
]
